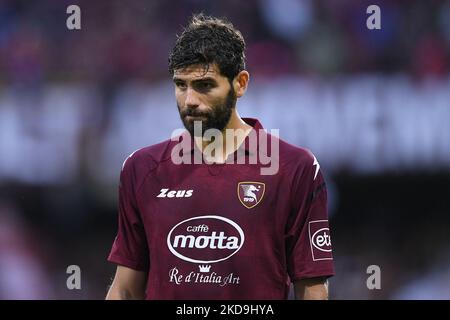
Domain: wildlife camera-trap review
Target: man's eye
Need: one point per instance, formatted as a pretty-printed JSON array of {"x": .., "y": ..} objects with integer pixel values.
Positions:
[
  {"x": 180, "y": 85},
  {"x": 205, "y": 85}
]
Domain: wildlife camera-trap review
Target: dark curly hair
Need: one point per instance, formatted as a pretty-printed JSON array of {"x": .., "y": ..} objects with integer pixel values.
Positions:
[{"x": 208, "y": 40}]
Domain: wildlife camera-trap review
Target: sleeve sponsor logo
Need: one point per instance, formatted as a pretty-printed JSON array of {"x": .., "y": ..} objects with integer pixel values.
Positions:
[{"x": 320, "y": 240}]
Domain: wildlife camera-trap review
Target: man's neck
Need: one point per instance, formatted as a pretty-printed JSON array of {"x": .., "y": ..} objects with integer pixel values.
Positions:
[{"x": 230, "y": 142}]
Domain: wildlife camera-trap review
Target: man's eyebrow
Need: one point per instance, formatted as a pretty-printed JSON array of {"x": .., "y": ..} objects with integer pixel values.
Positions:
[{"x": 205, "y": 79}]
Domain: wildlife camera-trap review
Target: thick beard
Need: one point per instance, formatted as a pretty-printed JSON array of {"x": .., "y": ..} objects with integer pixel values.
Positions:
[{"x": 218, "y": 118}]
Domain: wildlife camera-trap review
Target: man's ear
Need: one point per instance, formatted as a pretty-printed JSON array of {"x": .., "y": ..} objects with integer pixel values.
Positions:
[{"x": 240, "y": 83}]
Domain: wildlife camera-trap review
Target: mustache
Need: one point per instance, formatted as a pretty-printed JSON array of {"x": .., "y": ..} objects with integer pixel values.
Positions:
[{"x": 193, "y": 113}]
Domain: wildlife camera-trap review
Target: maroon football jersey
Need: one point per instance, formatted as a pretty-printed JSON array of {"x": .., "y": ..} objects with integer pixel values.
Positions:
[{"x": 222, "y": 231}]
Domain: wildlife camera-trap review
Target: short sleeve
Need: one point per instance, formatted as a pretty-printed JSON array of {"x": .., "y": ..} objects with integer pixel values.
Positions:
[
  {"x": 130, "y": 247},
  {"x": 307, "y": 237}
]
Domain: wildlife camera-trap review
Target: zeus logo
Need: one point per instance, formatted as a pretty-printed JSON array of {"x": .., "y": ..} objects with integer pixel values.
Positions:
[{"x": 166, "y": 193}]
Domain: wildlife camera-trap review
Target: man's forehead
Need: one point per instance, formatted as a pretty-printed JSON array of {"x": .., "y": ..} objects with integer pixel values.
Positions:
[{"x": 197, "y": 71}]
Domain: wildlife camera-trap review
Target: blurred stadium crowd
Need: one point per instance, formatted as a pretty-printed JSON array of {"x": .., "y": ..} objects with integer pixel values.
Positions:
[
  {"x": 373, "y": 105},
  {"x": 285, "y": 37}
]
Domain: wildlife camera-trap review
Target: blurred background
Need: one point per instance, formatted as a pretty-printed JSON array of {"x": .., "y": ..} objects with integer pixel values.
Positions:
[{"x": 373, "y": 105}]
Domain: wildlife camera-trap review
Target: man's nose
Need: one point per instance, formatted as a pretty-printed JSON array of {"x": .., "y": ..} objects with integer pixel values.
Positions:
[{"x": 191, "y": 98}]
